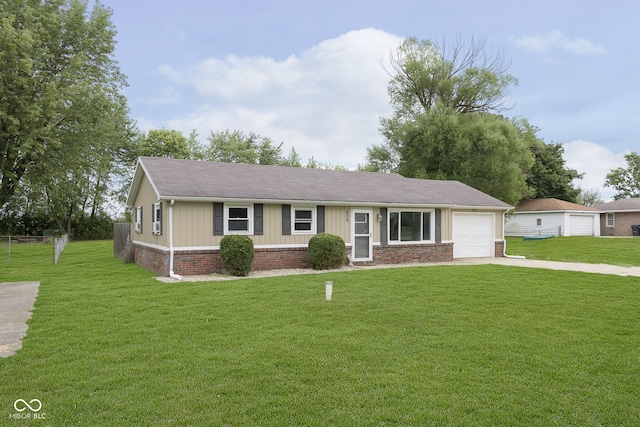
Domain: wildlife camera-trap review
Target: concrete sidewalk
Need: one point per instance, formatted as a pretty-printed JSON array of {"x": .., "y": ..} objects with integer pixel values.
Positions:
[
  {"x": 555, "y": 265},
  {"x": 16, "y": 303}
]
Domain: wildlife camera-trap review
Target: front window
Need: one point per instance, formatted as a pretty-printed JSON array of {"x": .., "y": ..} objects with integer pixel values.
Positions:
[
  {"x": 410, "y": 226},
  {"x": 238, "y": 220},
  {"x": 303, "y": 220},
  {"x": 610, "y": 220}
]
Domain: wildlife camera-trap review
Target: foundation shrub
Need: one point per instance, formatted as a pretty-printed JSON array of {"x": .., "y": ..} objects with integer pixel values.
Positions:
[
  {"x": 326, "y": 251},
  {"x": 236, "y": 252}
]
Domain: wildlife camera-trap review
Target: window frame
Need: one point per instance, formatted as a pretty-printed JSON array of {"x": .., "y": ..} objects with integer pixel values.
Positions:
[
  {"x": 249, "y": 218},
  {"x": 313, "y": 221},
  {"x": 137, "y": 225},
  {"x": 613, "y": 219},
  {"x": 156, "y": 218},
  {"x": 422, "y": 212}
]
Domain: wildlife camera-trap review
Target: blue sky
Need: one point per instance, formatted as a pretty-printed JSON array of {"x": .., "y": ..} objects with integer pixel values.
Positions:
[{"x": 309, "y": 74}]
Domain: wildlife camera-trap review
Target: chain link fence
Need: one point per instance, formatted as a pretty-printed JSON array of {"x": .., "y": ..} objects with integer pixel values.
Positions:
[{"x": 15, "y": 246}]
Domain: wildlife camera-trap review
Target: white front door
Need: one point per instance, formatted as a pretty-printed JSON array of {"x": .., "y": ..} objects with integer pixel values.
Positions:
[{"x": 361, "y": 235}]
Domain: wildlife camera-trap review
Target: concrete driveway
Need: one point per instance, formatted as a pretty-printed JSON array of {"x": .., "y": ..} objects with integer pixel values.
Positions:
[
  {"x": 16, "y": 303},
  {"x": 554, "y": 265}
]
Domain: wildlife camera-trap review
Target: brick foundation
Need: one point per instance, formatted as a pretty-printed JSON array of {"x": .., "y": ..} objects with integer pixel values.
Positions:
[
  {"x": 499, "y": 248},
  {"x": 407, "y": 254},
  {"x": 208, "y": 261}
]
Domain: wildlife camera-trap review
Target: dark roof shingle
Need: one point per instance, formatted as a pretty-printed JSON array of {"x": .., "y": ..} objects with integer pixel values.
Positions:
[
  {"x": 190, "y": 179},
  {"x": 630, "y": 204}
]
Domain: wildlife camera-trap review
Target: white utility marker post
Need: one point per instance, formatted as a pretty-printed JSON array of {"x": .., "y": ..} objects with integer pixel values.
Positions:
[{"x": 328, "y": 290}]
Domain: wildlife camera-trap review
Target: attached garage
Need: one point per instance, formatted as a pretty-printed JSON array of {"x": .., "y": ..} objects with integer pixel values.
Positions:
[
  {"x": 581, "y": 225},
  {"x": 473, "y": 235}
]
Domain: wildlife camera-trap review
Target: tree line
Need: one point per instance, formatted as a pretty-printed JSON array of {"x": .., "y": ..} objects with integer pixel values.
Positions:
[{"x": 68, "y": 144}]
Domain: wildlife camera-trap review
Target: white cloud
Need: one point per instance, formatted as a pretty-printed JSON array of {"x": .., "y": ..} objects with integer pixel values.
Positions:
[
  {"x": 595, "y": 161},
  {"x": 325, "y": 102},
  {"x": 557, "y": 40}
]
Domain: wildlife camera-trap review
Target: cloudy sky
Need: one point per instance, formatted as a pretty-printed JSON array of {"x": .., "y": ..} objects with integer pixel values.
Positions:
[{"x": 311, "y": 75}]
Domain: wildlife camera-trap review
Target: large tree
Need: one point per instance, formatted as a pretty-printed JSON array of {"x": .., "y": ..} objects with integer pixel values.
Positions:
[
  {"x": 548, "y": 176},
  {"x": 460, "y": 76},
  {"x": 483, "y": 150},
  {"x": 64, "y": 126},
  {"x": 445, "y": 125},
  {"x": 626, "y": 181}
]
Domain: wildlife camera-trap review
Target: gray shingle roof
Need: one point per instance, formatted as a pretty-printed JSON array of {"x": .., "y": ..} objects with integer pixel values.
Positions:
[
  {"x": 631, "y": 204},
  {"x": 189, "y": 179}
]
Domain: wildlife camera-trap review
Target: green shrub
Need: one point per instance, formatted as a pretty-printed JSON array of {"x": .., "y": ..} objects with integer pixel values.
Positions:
[
  {"x": 326, "y": 251},
  {"x": 236, "y": 252}
]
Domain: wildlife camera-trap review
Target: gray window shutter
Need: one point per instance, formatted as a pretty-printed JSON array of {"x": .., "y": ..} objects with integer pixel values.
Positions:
[
  {"x": 257, "y": 219},
  {"x": 320, "y": 219},
  {"x": 286, "y": 220},
  {"x": 160, "y": 218},
  {"x": 218, "y": 219},
  {"x": 383, "y": 227},
  {"x": 141, "y": 221},
  {"x": 438, "y": 235}
]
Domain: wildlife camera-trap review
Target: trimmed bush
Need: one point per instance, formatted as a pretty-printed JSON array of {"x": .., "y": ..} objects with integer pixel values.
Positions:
[
  {"x": 236, "y": 252},
  {"x": 326, "y": 251}
]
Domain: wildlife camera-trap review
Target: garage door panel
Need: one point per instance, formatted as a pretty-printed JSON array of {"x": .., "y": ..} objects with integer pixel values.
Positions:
[
  {"x": 473, "y": 235},
  {"x": 581, "y": 225}
]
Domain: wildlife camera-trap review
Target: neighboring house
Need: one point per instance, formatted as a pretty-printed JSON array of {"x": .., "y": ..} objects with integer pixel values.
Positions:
[
  {"x": 553, "y": 217},
  {"x": 182, "y": 209},
  {"x": 618, "y": 216}
]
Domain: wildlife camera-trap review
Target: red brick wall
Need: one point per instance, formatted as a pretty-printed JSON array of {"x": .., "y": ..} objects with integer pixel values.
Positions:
[
  {"x": 152, "y": 259},
  {"x": 406, "y": 254},
  {"x": 208, "y": 261},
  {"x": 500, "y": 248}
]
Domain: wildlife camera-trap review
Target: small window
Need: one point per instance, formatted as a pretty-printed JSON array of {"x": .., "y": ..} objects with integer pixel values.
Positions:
[
  {"x": 610, "y": 220},
  {"x": 238, "y": 220},
  {"x": 303, "y": 220},
  {"x": 138, "y": 219},
  {"x": 156, "y": 220},
  {"x": 539, "y": 221}
]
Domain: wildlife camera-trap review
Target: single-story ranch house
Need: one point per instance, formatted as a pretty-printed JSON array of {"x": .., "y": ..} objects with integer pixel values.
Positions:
[
  {"x": 618, "y": 216},
  {"x": 182, "y": 209},
  {"x": 553, "y": 217}
]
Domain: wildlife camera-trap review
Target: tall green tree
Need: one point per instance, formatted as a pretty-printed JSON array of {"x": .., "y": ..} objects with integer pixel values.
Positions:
[
  {"x": 548, "y": 176},
  {"x": 482, "y": 150},
  {"x": 165, "y": 143},
  {"x": 445, "y": 125},
  {"x": 64, "y": 126},
  {"x": 460, "y": 76},
  {"x": 626, "y": 181}
]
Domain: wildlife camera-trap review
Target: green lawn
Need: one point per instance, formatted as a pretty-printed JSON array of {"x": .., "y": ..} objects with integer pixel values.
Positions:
[
  {"x": 448, "y": 345},
  {"x": 594, "y": 250}
]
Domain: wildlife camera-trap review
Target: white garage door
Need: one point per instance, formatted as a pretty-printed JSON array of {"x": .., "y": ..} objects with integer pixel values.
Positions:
[
  {"x": 581, "y": 225},
  {"x": 473, "y": 235}
]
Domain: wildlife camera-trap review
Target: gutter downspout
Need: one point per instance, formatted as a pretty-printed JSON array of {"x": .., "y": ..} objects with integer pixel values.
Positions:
[
  {"x": 504, "y": 245},
  {"x": 171, "y": 273}
]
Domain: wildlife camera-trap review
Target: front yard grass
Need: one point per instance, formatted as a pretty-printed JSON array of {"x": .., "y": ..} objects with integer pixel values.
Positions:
[
  {"x": 449, "y": 345},
  {"x": 593, "y": 250}
]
